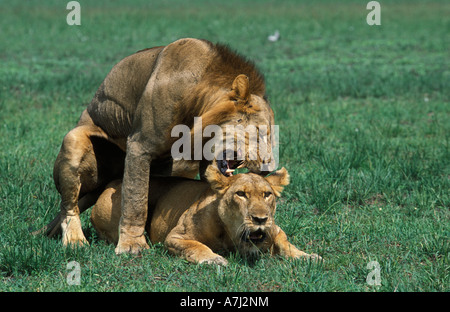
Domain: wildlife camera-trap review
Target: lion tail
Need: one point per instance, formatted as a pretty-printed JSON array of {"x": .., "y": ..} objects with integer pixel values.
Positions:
[
  {"x": 54, "y": 227},
  {"x": 51, "y": 228}
]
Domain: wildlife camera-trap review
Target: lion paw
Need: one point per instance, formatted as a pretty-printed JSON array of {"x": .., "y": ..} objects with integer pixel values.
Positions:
[
  {"x": 72, "y": 234},
  {"x": 131, "y": 246},
  {"x": 218, "y": 260},
  {"x": 315, "y": 257},
  {"x": 75, "y": 242}
]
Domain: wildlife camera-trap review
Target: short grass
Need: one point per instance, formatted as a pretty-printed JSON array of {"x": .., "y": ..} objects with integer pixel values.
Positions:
[{"x": 364, "y": 129}]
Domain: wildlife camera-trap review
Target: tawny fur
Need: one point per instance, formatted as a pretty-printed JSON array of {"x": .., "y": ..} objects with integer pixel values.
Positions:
[
  {"x": 197, "y": 220},
  {"x": 134, "y": 110}
]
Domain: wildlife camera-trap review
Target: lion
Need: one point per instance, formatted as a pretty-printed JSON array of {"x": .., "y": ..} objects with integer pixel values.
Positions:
[
  {"x": 197, "y": 220},
  {"x": 125, "y": 131}
]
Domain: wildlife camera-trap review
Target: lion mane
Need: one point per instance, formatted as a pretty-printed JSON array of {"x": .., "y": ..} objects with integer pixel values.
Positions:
[{"x": 125, "y": 132}]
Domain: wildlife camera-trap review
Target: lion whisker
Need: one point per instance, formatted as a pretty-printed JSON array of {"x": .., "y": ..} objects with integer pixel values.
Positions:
[
  {"x": 243, "y": 229},
  {"x": 269, "y": 234},
  {"x": 240, "y": 233}
]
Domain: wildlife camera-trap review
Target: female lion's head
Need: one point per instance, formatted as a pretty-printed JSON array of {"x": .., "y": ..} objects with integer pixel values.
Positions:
[{"x": 247, "y": 204}]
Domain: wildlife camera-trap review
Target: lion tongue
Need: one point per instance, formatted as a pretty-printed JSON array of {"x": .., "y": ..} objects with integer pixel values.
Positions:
[{"x": 255, "y": 235}]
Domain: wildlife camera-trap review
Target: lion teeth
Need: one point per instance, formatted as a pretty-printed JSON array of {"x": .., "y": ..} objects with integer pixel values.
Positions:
[{"x": 229, "y": 171}]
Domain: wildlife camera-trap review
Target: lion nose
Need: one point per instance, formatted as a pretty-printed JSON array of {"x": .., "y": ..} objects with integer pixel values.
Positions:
[{"x": 259, "y": 220}]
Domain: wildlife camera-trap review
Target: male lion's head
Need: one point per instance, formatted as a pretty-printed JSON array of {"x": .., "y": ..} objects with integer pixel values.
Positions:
[
  {"x": 247, "y": 205},
  {"x": 242, "y": 125}
]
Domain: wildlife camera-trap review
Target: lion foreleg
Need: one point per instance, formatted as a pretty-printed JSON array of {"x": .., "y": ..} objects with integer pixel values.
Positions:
[
  {"x": 193, "y": 251},
  {"x": 135, "y": 188},
  {"x": 283, "y": 247}
]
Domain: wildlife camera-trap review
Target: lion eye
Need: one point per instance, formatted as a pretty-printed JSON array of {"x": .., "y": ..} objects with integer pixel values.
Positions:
[
  {"x": 267, "y": 194},
  {"x": 241, "y": 194}
]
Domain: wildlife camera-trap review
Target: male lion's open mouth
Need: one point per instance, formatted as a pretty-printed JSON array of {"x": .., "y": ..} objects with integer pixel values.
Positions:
[
  {"x": 228, "y": 166},
  {"x": 255, "y": 237}
]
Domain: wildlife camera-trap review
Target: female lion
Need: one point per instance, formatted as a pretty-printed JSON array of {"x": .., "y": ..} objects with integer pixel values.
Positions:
[{"x": 197, "y": 220}]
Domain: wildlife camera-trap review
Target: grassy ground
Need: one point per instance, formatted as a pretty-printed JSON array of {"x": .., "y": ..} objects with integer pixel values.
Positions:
[{"x": 364, "y": 127}]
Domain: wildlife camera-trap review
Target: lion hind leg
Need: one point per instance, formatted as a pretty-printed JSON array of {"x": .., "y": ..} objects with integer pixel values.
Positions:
[
  {"x": 75, "y": 170},
  {"x": 105, "y": 214}
]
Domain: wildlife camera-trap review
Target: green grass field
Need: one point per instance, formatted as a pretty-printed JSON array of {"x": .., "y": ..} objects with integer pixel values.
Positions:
[{"x": 364, "y": 119}]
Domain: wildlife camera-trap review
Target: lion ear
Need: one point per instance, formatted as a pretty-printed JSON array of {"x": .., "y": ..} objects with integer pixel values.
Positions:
[
  {"x": 278, "y": 180},
  {"x": 218, "y": 182},
  {"x": 241, "y": 88}
]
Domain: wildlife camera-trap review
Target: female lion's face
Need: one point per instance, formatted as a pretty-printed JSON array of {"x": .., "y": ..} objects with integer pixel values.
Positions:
[{"x": 247, "y": 204}]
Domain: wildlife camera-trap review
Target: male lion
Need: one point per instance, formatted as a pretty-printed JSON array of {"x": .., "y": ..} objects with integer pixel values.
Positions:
[
  {"x": 196, "y": 219},
  {"x": 126, "y": 129}
]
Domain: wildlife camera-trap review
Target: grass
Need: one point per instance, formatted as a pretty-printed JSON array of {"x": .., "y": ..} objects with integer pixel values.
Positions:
[{"x": 364, "y": 129}]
